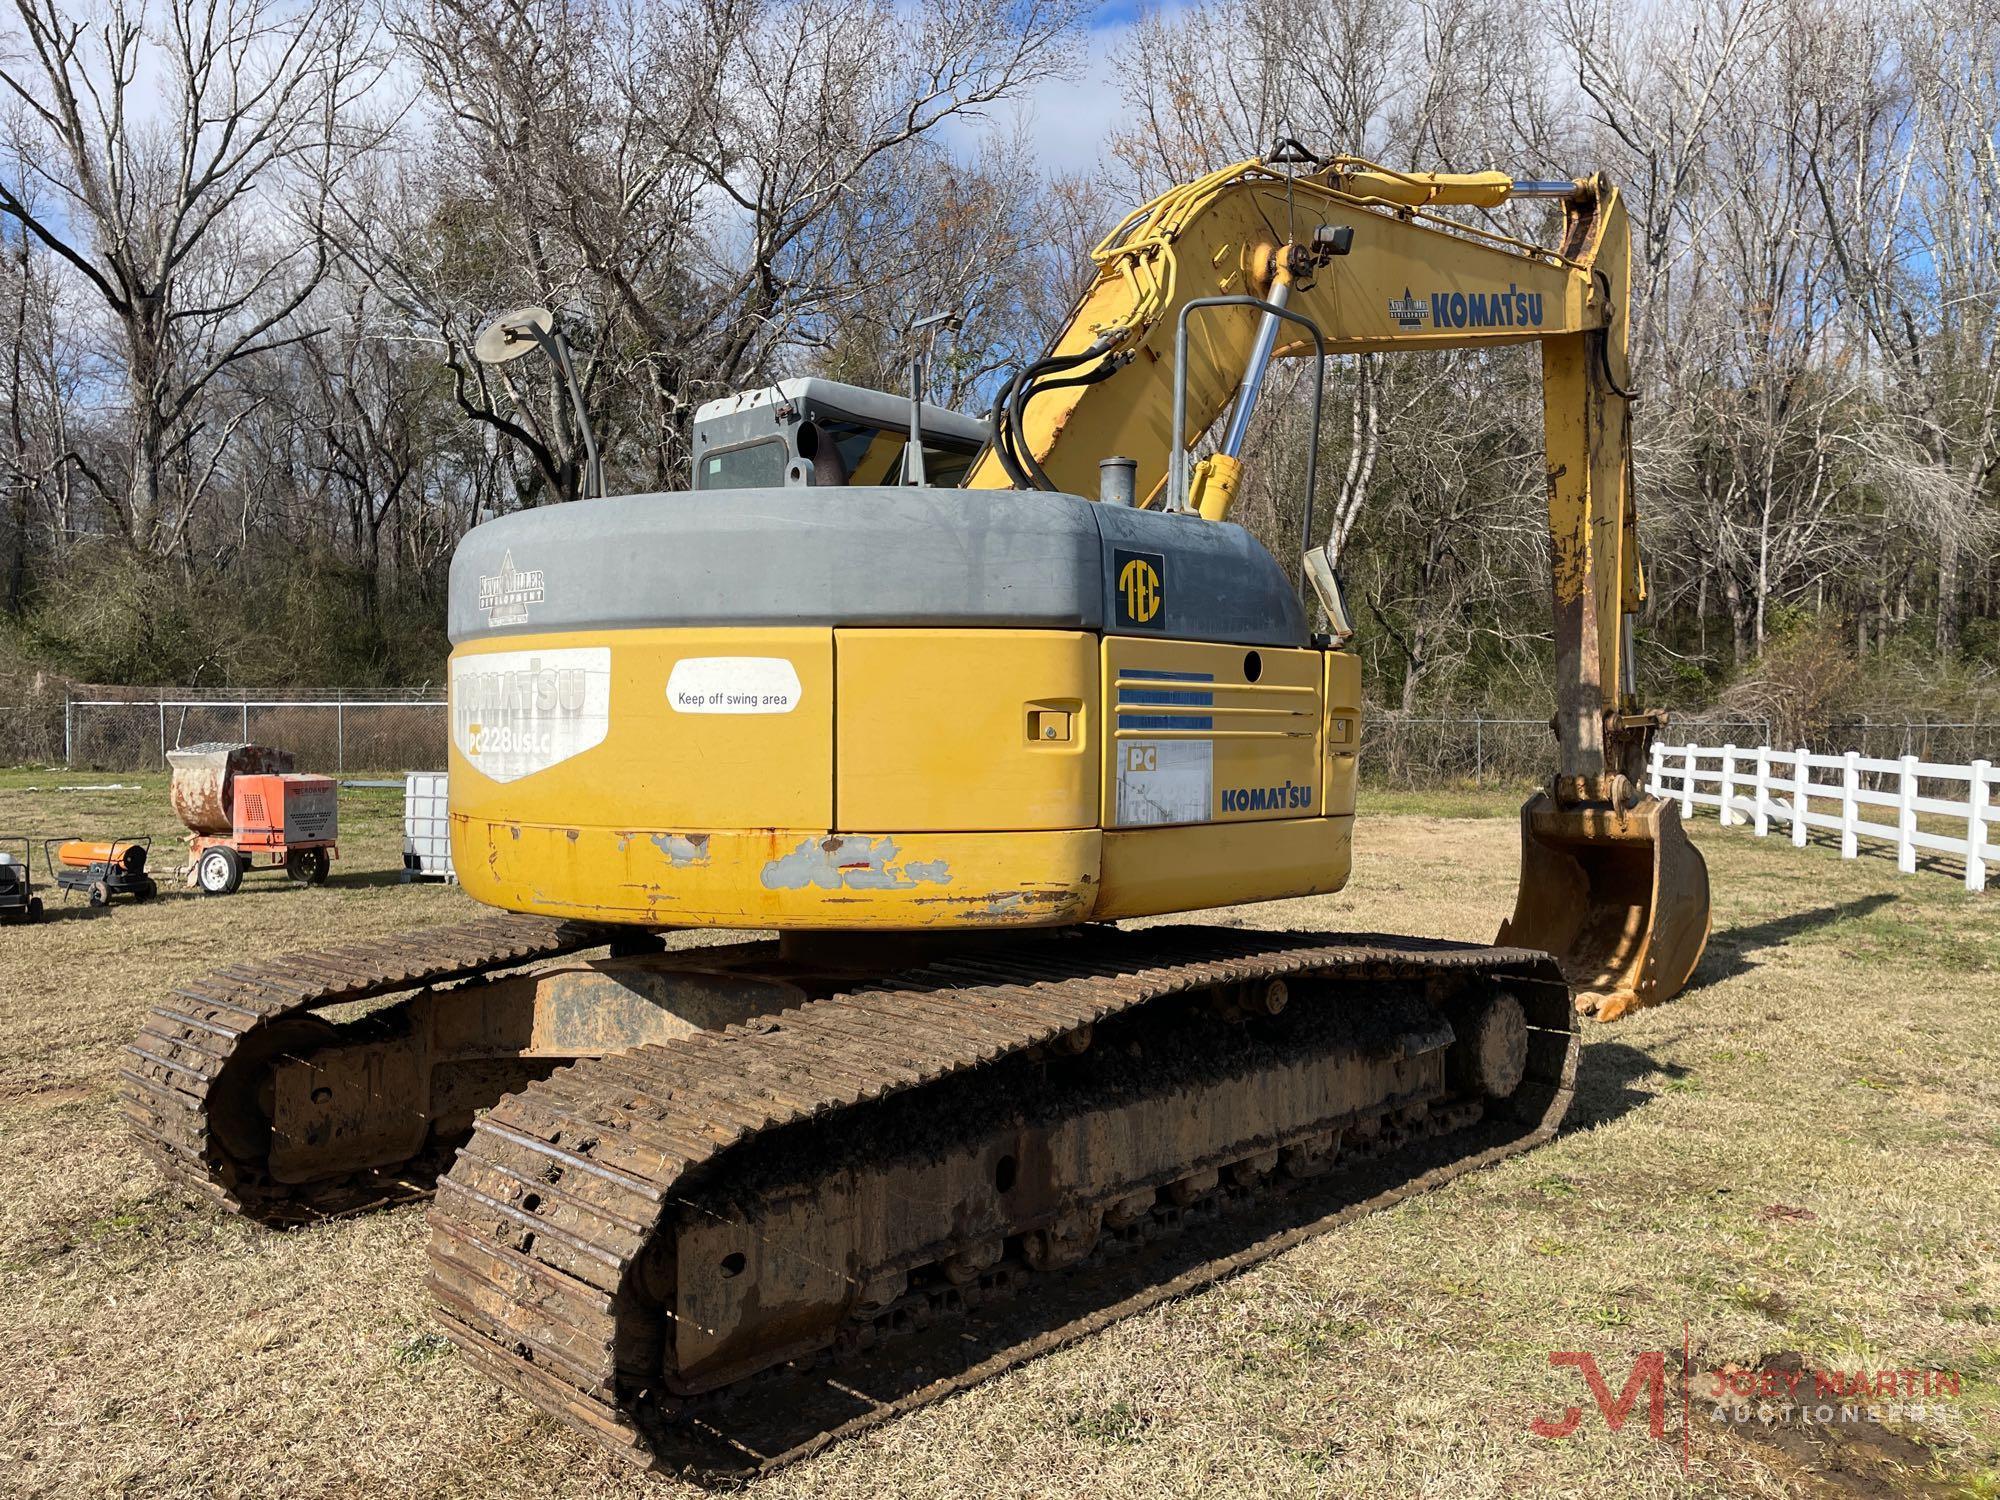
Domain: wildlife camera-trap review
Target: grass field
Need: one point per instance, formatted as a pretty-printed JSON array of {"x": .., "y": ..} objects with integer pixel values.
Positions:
[{"x": 1799, "y": 1157}]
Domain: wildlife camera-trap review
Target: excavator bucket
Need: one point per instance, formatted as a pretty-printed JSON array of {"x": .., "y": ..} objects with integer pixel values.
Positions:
[{"x": 1620, "y": 899}]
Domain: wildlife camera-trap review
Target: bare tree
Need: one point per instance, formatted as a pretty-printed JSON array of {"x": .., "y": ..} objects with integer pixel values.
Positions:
[
  {"x": 245, "y": 246},
  {"x": 1907, "y": 172},
  {"x": 703, "y": 189},
  {"x": 178, "y": 157}
]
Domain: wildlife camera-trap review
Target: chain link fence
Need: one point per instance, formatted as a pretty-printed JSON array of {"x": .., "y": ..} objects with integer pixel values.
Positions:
[
  {"x": 131, "y": 729},
  {"x": 335, "y": 733},
  {"x": 1411, "y": 751},
  {"x": 23, "y": 738},
  {"x": 31, "y": 715},
  {"x": 1955, "y": 741},
  {"x": 1414, "y": 750}
]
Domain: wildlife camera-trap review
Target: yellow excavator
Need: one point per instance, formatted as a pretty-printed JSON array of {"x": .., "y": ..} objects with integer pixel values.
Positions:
[{"x": 903, "y": 720}]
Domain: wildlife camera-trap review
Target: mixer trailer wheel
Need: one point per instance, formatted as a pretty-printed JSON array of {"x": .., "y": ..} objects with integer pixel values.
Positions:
[
  {"x": 307, "y": 866},
  {"x": 219, "y": 871}
]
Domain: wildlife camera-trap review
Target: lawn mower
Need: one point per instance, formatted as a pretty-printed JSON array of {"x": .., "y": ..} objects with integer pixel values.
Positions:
[{"x": 18, "y": 901}]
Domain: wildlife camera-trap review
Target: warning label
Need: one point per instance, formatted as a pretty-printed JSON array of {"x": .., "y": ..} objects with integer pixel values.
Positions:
[{"x": 733, "y": 685}]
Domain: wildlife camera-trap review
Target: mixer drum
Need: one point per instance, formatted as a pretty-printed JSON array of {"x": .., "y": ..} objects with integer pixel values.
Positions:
[{"x": 203, "y": 774}]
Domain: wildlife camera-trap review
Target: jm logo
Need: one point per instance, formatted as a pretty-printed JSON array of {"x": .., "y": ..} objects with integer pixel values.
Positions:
[
  {"x": 1649, "y": 1376},
  {"x": 1141, "y": 588}
]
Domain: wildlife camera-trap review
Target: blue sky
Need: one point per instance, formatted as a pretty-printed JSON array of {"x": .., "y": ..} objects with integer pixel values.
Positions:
[
  {"x": 1118, "y": 13},
  {"x": 1070, "y": 119}
]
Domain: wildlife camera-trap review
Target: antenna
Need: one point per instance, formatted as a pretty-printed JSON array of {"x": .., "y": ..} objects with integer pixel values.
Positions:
[
  {"x": 925, "y": 332},
  {"x": 512, "y": 335}
]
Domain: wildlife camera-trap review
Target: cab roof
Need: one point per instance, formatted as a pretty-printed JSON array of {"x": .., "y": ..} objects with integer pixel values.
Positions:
[{"x": 823, "y": 398}]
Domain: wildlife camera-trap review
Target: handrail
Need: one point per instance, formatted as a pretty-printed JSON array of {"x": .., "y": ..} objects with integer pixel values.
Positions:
[{"x": 1177, "y": 472}]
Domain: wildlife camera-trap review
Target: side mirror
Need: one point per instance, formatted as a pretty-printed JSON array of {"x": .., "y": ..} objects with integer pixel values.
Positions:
[{"x": 1326, "y": 584}]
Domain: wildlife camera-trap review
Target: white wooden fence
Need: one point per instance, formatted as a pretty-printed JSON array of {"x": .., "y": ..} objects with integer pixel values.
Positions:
[{"x": 1761, "y": 786}]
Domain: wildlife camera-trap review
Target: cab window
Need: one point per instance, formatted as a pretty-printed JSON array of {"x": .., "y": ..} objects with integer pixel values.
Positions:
[
  {"x": 870, "y": 455},
  {"x": 749, "y": 466}
]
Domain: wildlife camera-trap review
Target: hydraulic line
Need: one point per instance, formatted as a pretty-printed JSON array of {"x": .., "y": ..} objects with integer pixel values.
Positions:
[
  {"x": 1099, "y": 372},
  {"x": 1013, "y": 400},
  {"x": 1000, "y": 436},
  {"x": 1018, "y": 393}
]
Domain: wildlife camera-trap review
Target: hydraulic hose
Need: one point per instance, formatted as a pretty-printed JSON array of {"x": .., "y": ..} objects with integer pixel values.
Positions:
[
  {"x": 1000, "y": 436},
  {"x": 1091, "y": 376},
  {"x": 1017, "y": 395},
  {"x": 1019, "y": 389},
  {"x": 1004, "y": 434}
]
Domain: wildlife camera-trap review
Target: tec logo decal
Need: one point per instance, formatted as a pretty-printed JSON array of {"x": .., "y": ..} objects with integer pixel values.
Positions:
[{"x": 1140, "y": 590}]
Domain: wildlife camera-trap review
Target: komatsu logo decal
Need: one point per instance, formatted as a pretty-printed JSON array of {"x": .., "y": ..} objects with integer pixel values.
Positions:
[
  {"x": 1409, "y": 312},
  {"x": 1512, "y": 308},
  {"x": 514, "y": 713},
  {"x": 1286, "y": 794}
]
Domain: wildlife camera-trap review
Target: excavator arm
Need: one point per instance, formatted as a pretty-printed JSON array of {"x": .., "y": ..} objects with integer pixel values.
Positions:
[{"x": 1609, "y": 881}]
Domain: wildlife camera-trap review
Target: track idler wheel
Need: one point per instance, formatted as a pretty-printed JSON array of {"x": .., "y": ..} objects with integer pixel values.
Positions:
[
  {"x": 1490, "y": 1056},
  {"x": 1619, "y": 896}
]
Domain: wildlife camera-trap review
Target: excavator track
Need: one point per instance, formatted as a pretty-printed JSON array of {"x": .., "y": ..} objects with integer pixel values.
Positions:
[
  {"x": 715, "y": 1254},
  {"x": 189, "y": 1079}
]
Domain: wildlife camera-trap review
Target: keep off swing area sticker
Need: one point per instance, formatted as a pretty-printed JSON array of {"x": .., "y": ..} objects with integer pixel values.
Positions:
[
  {"x": 514, "y": 713},
  {"x": 733, "y": 685}
]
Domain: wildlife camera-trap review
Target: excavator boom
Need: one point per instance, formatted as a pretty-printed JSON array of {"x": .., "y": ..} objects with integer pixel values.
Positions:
[{"x": 1362, "y": 253}]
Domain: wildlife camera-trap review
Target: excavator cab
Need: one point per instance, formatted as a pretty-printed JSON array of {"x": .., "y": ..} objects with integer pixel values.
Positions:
[{"x": 808, "y": 431}]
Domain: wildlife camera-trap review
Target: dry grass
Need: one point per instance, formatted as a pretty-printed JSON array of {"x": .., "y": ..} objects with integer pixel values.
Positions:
[{"x": 1841, "y": 1057}]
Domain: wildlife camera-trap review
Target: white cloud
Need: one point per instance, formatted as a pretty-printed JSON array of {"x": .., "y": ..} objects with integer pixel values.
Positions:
[{"x": 1069, "y": 121}]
